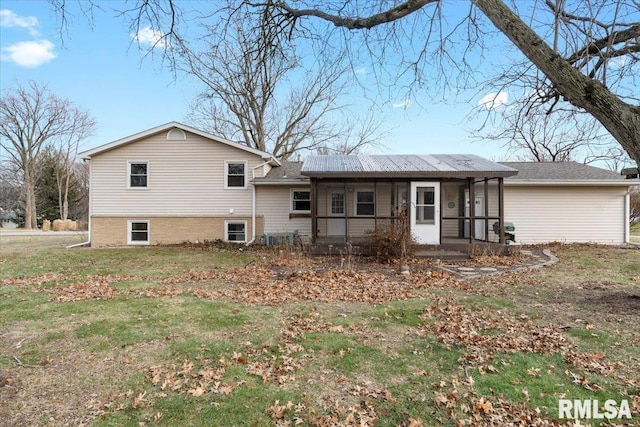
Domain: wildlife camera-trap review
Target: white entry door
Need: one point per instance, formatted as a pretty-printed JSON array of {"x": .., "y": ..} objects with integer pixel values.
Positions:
[
  {"x": 336, "y": 206},
  {"x": 425, "y": 212}
]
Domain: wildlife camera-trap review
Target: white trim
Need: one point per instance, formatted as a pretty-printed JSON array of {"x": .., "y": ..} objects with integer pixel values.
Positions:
[
  {"x": 291, "y": 200},
  {"x": 226, "y": 174},
  {"x": 130, "y": 222},
  {"x": 167, "y": 126},
  {"x": 426, "y": 234},
  {"x": 545, "y": 182},
  {"x": 226, "y": 230},
  {"x": 138, "y": 162},
  {"x": 355, "y": 201}
]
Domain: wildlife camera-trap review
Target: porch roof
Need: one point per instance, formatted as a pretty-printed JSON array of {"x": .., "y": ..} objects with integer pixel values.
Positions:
[{"x": 403, "y": 166}]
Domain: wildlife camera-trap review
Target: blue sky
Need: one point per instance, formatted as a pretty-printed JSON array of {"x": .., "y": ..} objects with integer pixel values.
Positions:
[{"x": 102, "y": 69}]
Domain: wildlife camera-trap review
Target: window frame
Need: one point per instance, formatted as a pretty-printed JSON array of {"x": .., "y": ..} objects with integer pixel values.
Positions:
[
  {"x": 226, "y": 230},
  {"x": 420, "y": 206},
  {"x": 130, "y": 230},
  {"x": 129, "y": 174},
  {"x": 293, "y": 200},
  {"x": 356, "y": 203},
  {"x": 226, "y": 174}
]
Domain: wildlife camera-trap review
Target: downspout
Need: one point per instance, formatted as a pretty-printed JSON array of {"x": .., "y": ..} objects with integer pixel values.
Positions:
[
  {"x": 88, "y": 242},
  {"x": 253, "y": 202}
]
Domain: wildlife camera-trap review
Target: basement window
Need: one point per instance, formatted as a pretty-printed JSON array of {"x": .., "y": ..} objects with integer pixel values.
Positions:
[{"x": 138, "y": 232}]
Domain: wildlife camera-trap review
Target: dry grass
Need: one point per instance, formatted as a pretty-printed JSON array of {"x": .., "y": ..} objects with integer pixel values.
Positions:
[{"x": 183, "y": 336}]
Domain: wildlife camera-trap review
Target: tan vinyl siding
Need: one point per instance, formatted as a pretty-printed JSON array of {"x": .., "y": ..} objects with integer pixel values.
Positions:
[
  {"x": 184, "y": 178},
  {"x": 274, "y": 204},
  {"x": 566, "y": 213},
  {"x": 112, "y": 231}
]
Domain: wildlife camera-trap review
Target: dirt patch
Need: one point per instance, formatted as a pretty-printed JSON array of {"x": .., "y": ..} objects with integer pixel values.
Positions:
[{"x": 617, "y": 302}]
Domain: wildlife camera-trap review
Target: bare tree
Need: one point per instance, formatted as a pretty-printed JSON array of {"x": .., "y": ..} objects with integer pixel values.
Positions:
[
  {"x": 31, "y": 117},
  {"x": 584, "y": 51},
  {"x": 81, "y": 126},
  {"x": 264, "y": 93},
  {"x": 532, "y": 134},
  {"x": 10, "y": 187}
]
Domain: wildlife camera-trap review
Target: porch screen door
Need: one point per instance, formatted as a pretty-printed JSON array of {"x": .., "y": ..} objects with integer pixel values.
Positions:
[{"x": 425, "y": 212}]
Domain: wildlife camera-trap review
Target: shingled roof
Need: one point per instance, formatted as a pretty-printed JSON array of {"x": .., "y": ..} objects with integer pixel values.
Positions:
[
  {"x": 287, "y": 173},
  {"x": 562, "y": 172}
]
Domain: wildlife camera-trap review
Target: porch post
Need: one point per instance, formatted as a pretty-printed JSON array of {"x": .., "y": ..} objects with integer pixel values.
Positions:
[
  {"x": 501, "y": 208},
  {"x": 486, "y": 209},
  {"x": 375, "y": 204},
  {"x": 472, "y": 210},
  {"x": 346, "y": 210},
  {"x": 394, "y": 207},
  {"x": 314, "y": 210}
]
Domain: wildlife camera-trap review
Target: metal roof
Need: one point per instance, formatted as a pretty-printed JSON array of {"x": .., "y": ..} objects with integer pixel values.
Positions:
[{"x": 408, "y": 165}]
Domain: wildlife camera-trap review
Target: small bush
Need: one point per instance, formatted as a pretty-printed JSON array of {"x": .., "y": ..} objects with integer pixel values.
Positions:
[
  {"x": 390, "y": 241},
  {"x": 70, "y": 225},
  {"x": 46, "y": 225},
  {"x": 58, "y": 225}
]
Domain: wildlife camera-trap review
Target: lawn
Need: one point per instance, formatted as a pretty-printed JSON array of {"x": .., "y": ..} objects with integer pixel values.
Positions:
[{"x": 204, "y": 336}]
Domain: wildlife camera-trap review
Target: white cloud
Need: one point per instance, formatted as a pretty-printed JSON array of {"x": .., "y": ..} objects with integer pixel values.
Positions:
[
  {"x": 29, "y": 54},
  {"x": 404, "y": 104},
  {"x": 493, "y": 100},
  {"x": 9, "y": 19},
  {"x": 150, "y": 37},
  {"x": 361, "y": 71}
]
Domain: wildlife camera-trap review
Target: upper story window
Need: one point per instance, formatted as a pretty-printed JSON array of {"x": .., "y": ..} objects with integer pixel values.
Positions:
[
  {"x": 138, "y": 174},
  {"x": 235, "y": 174},
  {"x": 365, "y": 203},
  {"x": 300, "y": 201}
]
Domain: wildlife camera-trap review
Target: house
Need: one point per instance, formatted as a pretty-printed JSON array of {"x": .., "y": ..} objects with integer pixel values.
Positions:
[
  {"x": 350, "y": 195},
  {"x": 174, "y": 183},
  {"x": 567, "y": 202}
]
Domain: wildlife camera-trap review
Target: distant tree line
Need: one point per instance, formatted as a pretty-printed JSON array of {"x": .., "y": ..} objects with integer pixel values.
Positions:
[{"x": 40, "y": 177}]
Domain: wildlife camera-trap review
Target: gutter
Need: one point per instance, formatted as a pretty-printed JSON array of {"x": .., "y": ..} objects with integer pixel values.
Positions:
[
  {"x": 554, "y": 183},
  {"x": 253, "y": 202}
]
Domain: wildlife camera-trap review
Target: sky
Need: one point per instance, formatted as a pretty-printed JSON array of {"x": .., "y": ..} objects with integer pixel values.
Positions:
[{"x": 103, "y": 69}]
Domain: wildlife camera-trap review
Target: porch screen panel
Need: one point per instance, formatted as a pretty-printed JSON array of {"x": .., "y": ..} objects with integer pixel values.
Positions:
[{"x": 425, "y": 205}]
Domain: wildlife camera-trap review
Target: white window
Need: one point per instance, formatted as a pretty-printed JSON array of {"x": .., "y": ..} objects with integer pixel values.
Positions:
[
  {"x": 300, "y": 201},
  {"x": 365, "y": 203},
  {"x": 425, "y": 205},
  {"x": 235, "y": 174},
  {"x": 138, "y": 174},
  {"x": 138, "y": 232},
  {"x": 235, "y": 231}
]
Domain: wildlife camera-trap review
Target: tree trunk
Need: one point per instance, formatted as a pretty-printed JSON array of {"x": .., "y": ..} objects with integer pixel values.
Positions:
[
  {"x": 30, "y": 220},
  {"x": 622, "y": 120}
]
